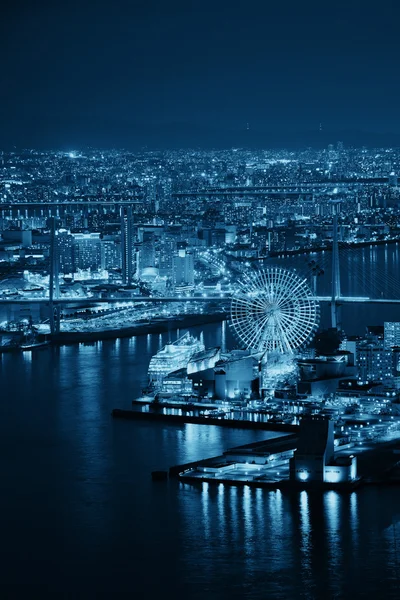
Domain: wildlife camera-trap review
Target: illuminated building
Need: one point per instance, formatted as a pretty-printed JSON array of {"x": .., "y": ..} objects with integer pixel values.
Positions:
[
  {"x": 321, "y": 376},
  {"x": 166, "y": 258},
  {"x": 87, "y": 251},
  {"x": 373, "y": 359},
  {"x": 147, "y": 251},
  {"x": 110, "y": 254},
  {"x": 391, "y": 334},
  {"x": 236, "y": 374},
  {"x": 201, "y": 371},
  {"x": 314, "y": 459},
  {"x": 184, "y": 267},
  {"x": 65, "y": 249},
  {"x": 128, "y": 251}
]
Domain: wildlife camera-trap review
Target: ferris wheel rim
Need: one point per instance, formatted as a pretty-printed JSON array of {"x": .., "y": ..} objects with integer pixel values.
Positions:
[{"x": 274, "y": 309}]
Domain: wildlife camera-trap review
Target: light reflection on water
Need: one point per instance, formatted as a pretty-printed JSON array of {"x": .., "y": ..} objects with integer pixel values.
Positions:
[
  {"x": 77, "y": 503},
  {"x": 298, "y": 545},
  {"x": 332, "y": 505}
]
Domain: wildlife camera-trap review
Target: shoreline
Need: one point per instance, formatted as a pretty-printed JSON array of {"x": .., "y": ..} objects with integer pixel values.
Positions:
[
  {"x": 327, "y": 248},
  {"x": 379, "y": 466}
]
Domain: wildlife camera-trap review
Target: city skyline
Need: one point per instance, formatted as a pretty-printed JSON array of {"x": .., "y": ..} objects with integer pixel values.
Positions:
[{"x": 199, "y": 300}]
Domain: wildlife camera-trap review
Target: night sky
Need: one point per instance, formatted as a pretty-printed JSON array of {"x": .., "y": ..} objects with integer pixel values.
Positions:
[{"x": 195, "y": 73}]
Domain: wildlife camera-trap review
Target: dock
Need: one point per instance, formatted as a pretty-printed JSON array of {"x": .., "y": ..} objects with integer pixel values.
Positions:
[
  {"x": 379, "y": 466},
  {"x": 136, "y": 415}
]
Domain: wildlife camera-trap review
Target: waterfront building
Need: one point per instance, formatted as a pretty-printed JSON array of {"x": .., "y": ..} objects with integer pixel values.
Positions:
[
  {"x": 236, "y": 374},
  {"x": 321, "y": 376},
  {"x": 314, "y": 458}
]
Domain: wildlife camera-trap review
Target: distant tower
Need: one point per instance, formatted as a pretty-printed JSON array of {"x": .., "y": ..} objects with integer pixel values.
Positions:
[
  {"x": 248, "y": 126},
  {"x": 320, "y": 126},
  {"x": 335, "y": 309},
  {"x": 127, "y": 246}
]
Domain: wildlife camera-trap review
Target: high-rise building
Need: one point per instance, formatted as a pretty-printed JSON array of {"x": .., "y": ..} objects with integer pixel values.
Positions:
[
  {"x": 373, "y": 360},
  {"x": 110, "y": 254},
  {"x": 391, "y": 334},
  {"x": 87, "y": 251},
  {"x": 184, "y": 267},
  {"x": 147, "y": 250},
  {"x": 166, "y": 258},
  {"x": 128, "y": 251},
  {"x": 65, "y": 252}
]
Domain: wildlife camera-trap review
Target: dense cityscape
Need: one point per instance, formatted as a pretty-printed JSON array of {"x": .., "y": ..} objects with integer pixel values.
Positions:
[
  {"x": 102, "y": 244},
  {"x": 199, "y": 300}
]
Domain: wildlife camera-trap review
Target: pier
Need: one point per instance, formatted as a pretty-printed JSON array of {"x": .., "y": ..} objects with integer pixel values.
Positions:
[{"x": 135, "y": 415}]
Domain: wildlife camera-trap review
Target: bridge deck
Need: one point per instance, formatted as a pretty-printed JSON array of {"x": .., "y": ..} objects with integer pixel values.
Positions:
[{"x": 222, "y": 300}]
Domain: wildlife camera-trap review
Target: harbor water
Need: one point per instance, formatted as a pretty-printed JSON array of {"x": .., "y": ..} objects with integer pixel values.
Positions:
[{"x": 80, "y": 516}]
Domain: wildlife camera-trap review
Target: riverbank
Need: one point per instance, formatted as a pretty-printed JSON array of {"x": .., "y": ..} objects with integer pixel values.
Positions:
[{"x": 326, "y": 248}]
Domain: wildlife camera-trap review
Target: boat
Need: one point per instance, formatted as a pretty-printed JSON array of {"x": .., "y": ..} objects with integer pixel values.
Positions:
[
  {"x": 26, "y": 343},
  {"x": 173, "y": 356},
  {"x": 34, "y": 345},
  {"x": 218, "y": 413},
  {"x": 276, "y": 419}
]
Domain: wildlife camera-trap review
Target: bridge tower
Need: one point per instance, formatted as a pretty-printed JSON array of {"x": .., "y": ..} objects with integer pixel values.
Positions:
[
  {"x": 54, "y": 284},
  {"x": 335, "y": 304}
]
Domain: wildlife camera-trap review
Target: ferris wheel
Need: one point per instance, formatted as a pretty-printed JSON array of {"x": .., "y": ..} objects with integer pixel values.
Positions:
[{"x": 274, "y": 310}]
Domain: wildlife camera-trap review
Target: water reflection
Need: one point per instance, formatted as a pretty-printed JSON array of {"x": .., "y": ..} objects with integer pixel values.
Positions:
[
  {"x": 234, "y": 521},
  {"x": 354, "y": 520},
  {"x": 205, "y": 508},
  {"x": 306, "y": 544},
  {"x": 222, "y": 521},
  {"x": 59, "y": 442},
  {"x": 248, "y": 514},
  {"x": 27, "y": 357}
]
